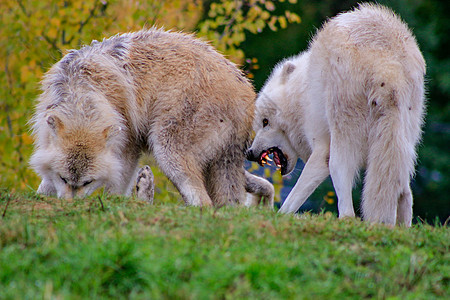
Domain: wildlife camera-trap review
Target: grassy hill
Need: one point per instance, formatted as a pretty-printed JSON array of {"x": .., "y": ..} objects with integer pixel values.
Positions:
[{"x": 112, "y": 247}]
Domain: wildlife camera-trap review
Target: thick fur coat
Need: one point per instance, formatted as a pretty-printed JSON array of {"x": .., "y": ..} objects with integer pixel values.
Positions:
[
  {"x": 154, "y": 91},
  {"x": 353, "y": 100}
]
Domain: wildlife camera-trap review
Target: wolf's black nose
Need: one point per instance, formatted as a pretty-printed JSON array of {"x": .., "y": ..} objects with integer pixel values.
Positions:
[{"x": 250, "y": 155}]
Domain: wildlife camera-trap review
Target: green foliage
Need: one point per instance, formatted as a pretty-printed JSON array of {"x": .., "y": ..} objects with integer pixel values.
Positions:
[
  {"x": 123, "y": 248},
  {"x": 228, "y": 21}
]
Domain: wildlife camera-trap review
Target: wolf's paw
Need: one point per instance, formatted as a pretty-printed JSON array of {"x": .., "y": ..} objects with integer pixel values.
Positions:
[{"x": 145, "y": 188}]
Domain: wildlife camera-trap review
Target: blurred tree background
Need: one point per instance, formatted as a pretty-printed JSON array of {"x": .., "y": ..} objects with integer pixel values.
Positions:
[{"x": 255, "y": 34}]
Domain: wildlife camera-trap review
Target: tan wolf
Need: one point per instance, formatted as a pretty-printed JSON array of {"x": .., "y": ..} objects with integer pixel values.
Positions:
[
  {"x": 154, "y": 91},
  {"x": 354, "y": 99}
]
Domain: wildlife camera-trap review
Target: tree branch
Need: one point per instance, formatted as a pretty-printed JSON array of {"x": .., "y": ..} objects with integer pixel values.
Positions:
[
  {"x": 51, "y": 42},
  {"x": 6, "y": 207},
  {"x": 91, "y": 15},
  {"x": 22, "y": 7}
]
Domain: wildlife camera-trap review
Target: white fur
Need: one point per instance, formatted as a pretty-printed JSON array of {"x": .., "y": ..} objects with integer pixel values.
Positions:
[{"x": 355, "y": 99}]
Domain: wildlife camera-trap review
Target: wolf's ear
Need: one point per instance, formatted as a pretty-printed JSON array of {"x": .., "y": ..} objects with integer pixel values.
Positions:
[
  {"x": 55, "y": 124},
  {"x": 288, "y": 68}
]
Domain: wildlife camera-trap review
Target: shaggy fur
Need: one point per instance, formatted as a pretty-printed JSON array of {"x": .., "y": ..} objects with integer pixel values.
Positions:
[
  {"x": 258, "y": 191},
  {"x": 354, "y": 99},
  {"x": 154, "y": 91},
  {"x": 145, "y": 186}
]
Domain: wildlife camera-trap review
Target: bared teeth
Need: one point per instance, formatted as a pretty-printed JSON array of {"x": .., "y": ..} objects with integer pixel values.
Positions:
[
  {"x": 276, "y": 158},
  {"x": 264, "y": 160}
]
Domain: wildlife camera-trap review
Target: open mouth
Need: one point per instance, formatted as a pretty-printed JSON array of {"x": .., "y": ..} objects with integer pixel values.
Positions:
[{"x": 279, "y": 159}]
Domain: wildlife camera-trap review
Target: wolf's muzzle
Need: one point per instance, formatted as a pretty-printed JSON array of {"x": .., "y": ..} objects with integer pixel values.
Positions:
[{"x": 251, "y": 156}]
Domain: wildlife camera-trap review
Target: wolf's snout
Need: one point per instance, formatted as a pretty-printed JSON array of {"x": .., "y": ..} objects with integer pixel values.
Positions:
[{"x": 251, "y": 156}]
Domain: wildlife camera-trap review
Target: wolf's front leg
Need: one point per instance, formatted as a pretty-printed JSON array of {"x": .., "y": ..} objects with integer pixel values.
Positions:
[
  {"x": 145, "y": 187},
  {"x": 47, "y": 187},
  {"x": 313, "y": 174},
  {"x": 260, "y": 190}
]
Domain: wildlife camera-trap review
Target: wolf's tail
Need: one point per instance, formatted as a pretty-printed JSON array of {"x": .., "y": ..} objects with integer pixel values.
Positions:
[{"x": 396, "y": 115}]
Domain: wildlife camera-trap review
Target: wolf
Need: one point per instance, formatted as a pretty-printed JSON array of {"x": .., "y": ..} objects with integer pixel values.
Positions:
[
  {"x": 353, "y": 100},
  {"x": 155, "y": 91}
]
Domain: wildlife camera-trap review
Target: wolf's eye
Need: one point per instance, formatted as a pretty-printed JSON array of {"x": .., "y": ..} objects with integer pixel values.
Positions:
[
  {"x": 265, "y": 122},
  {"x": 87, "y": 182},
  {"x": 63, "y": 179}
]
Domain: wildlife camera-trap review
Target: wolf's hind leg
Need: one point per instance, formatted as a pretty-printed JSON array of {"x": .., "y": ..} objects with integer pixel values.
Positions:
[
  {"x": 404, "y": 208},
  {"x": 185, "y": 174},
  {"x": 345, "y": 160},
  {"x": 225, "y": 182},
  {"x": 47, "y": 188},
  {"x": 145, "y": 187},
  {"x": 260, "y": 190}
]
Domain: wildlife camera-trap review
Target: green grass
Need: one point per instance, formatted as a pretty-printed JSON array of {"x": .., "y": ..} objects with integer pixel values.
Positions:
[{"x": 124, "y": 248}]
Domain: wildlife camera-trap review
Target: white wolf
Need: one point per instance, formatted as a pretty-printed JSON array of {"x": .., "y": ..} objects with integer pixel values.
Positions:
[
  {"x": 354, "y": 99},
  {"x": 151, "y": 91}
]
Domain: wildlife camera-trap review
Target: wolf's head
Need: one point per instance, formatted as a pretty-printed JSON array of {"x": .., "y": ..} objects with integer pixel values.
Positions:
[
  {"x": 270, "y": 124},
  {"x": 77, "y": 159},
  {"x": 77, "y": 130}
]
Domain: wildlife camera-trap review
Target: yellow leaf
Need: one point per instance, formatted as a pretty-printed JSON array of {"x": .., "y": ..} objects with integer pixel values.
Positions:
[
  {"x": 27, "y": 140},
  {"x": 52, "y": 33},
  {"x": 272, "y": 22},
  {"x": 277, "y": 178},
  {"x": 229, "y": 7},
  {"x": 55, "y": 22},
  {"x": 78, "y": 5},
  {"x": 24, "y": 73},
  {"x": 240, "y": 55},
  {"x": 282, "y": 21},
  {"x": 38, "y": 73},
  {"x": 253, "y": 167},
  {"x": 328, "y": 200},
  {"x": 270, "y": 6},
  {"x": 265, "y": 15},
  {"x": 292, "y": 17}
]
